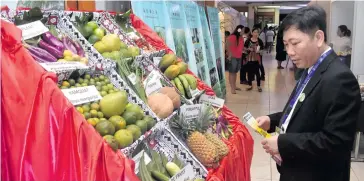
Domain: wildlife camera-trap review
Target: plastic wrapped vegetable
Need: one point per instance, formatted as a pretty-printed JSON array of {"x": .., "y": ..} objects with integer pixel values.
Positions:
[
  {"x": 79, "y": 49},
  {"x": 52, "y": 40},
  {"x": 54, "y": 51},
  {"x": 39, "y": 54}
]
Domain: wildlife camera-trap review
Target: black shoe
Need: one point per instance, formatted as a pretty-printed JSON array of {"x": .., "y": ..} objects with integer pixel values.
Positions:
[
  {"x": 249, "y": 88},
  {"x": 263, "y": 79},
  {"x": 260, "y": 89}
]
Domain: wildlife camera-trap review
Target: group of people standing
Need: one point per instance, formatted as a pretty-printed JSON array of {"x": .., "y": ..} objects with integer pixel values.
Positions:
[{"x": 244, "y": 50}]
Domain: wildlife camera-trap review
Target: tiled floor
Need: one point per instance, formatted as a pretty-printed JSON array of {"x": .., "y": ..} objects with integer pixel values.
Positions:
[{"x": 276, "y": 89}]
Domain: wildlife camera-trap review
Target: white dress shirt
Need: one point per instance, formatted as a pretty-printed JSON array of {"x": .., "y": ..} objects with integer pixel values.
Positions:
[
  {"x": 342, "y": 44},
  {"x": 285, "y": 125}
]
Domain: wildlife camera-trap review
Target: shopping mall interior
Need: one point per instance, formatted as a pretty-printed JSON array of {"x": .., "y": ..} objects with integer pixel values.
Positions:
[{"x": 156, "y": 25}]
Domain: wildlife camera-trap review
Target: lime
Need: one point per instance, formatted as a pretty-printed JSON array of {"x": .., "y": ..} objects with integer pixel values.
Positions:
[
  {"x": 110, "y": 86},
  {"x": 86, "y": 108},
  {"x": 93, "y": 39},
  {"x": 84, "y": 84},
  {"x": 100, "y": 33},
  {"x": 103, "y": 93},
  {"x": 105, "y": 88},
  {"x": 95, "y": 106},
  {"x": 136, "y": 131},
  {"x": 142, "y": 125},
  {"x": 98, "y": 83},
  {"x": 98, "y": 88},
  {"x": 97, "y": 79},
  {"x": 87, "y": 115},
  {"x": 93, "y": 113},
  {"x": 97, "y": 120},
  {"x": 111, "y": 91},
  {"x": 64, "y": 87},
  {"x": 80, "y": 80},
  {"x": 87, "y": 31},
  {"x": 92, "y": 80},
  {"x": 118, "y": 122},
  {"x": 72, "y": 81},
  {"x": 103, "y": 119},
  {"x": 102, "y": 77},
  {"x": 86, "y": 81},
  {"x": 78, "y": 85},
  {"x": 73, "y": 87},
  {"x": 107, "y": 80},
  {"x": 92, "y": 24},
  {"x": 87, "y": 76},
  {"x": 100, "y": 114}
]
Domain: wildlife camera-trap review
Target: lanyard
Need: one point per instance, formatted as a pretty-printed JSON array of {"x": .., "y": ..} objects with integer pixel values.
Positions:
[{"x": 302, "y": 84}]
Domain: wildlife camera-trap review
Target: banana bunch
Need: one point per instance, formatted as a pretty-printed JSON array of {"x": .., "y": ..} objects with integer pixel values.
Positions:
[{"x": 185, "y": 83}]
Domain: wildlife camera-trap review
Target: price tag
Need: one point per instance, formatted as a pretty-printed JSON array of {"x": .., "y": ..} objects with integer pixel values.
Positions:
[
  {"x": 186, "y": 173},
  {"x": 82, "y": 95},
  {"x": 153, "y": 76},
  {"x": 213, "y": 100},
  {"x": 33, "y": 29},
  {"x": 59, "y": 66},
  {"x": 191, "y": 111},
  {"x": 153, "y": 86},
  {"x": 156, "y": 60},
  {"x": 133, "y": 78},
  {"x": 137, "y": 158}
]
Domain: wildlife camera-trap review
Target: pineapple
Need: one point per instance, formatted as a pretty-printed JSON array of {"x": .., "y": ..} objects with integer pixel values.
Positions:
[
  {"x": 222, "y": 148},
  {"x": 192, "y": 131}
]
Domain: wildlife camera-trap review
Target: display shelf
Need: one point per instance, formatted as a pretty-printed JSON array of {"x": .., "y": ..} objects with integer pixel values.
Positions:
[{"x": 166, "y": 142}]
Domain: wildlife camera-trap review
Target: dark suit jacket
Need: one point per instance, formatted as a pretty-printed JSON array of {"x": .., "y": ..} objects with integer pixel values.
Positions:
[{"x": 320, "y": 135}]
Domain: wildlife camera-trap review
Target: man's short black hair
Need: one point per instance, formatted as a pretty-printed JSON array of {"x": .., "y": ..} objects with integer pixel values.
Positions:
[{"x": 308, "y": 19}]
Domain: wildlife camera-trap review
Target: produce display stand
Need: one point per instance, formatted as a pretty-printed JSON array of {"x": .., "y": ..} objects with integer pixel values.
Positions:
[
  {"x": 160, "y": 137},
  {"x": 241, "y": 141}
]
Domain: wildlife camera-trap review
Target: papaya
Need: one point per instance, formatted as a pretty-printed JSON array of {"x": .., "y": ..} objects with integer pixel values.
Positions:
[
  {"x": 167, "y": 60},
  {"x": 182, "y": 67},
  {"x": 172, "y": 72}
]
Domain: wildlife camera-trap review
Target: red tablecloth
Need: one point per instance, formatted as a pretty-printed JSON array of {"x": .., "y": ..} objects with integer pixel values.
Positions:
[
  {"x": 43, "y": 137},
  {"x": 236, "y": 165}
]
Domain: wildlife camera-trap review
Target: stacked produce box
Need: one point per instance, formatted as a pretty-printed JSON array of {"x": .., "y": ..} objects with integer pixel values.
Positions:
[{"x": 139, "y": 100}]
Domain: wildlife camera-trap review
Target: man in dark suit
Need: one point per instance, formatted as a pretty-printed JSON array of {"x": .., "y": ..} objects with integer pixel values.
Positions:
[{"x": 317, "y": 125}]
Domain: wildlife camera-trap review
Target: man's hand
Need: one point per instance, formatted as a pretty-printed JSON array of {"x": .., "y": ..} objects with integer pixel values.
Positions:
[
  {"x": 271, "y": 145},
  {"x": 264, "y": 122}
]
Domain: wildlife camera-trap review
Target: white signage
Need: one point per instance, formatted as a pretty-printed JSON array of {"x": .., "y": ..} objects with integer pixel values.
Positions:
[
  {"x": 213, "y": 100},
  {"x": 191, "y": 111},
  {"x": 59, "y": 66},
  {"x": 185, "y": 174},
  {"x": 153, "y": 86},
  {"x": 32, "y": 29},
  {"x": 82, "y": 95}
]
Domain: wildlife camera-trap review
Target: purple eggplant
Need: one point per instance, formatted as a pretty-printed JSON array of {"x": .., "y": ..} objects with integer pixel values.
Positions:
[
  {"x": 68, "y": 44},
  {"x": 40, "y": 55},
  {"x": 54, "y": 51},
  {"x": 52, "y": 40},
  {"x": 79, "y": 49}
]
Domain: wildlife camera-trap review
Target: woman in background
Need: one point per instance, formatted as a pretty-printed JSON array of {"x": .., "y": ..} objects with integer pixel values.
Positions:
[
  {"x": 281, "y": 54},
  {"x": 227, "y": 34},
  {"x": 243, "y": 79},
  {"x": 254, "y": 48},
  {"x": 235, "y": 46},
  {"x": 343, "y": 42}
]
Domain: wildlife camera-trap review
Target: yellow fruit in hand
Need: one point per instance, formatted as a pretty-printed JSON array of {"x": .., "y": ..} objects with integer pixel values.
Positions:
[{"x": 67, "y": 53}]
